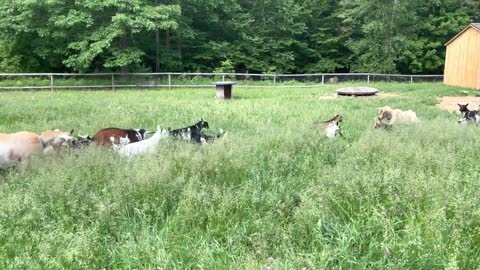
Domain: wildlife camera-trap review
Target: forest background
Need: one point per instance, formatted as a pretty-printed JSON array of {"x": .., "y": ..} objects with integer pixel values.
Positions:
[{"x": 254, "y": 36}]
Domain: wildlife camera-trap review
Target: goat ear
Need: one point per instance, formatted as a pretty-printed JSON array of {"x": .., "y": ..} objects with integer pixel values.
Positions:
[
  {"x": 71, "y": 132},
  {"x": 466, "y": 104}
]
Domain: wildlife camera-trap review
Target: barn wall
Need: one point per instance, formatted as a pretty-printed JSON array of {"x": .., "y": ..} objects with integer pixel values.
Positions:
[
  {"x": 478, "y": 64},
  {"x": 462, "y": 62}
]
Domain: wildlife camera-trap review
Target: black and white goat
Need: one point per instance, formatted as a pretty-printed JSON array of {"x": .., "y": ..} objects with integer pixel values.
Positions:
[
  {"x": 191, "y": 133},
  {"x": 81, "y": 142},
  {"x": 467, "y": 115},
  {"x": 204, "y": 138}
]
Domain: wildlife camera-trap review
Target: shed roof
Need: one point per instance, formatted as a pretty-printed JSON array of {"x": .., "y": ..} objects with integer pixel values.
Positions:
[{"x": 475, "y": 26}]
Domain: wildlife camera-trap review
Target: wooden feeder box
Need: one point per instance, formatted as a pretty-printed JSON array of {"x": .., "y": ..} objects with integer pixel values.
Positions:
[{"x": 224, "y": 89}]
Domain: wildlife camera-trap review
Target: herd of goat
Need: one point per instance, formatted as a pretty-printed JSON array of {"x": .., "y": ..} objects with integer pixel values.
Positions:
[
  {"x": 20, "y": 146},
  {"x": 122, "y": 137}
]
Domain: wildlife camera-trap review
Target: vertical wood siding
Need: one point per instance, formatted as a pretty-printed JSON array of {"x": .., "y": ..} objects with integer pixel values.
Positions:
[{"x": 462, "y": 62}]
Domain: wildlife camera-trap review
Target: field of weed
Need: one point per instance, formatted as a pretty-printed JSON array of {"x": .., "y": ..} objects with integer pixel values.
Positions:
[{"x": 274, "y": 193}]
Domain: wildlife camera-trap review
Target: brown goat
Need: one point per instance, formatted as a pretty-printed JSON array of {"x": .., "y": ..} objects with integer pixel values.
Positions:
[{"x": 103, "y": 136}]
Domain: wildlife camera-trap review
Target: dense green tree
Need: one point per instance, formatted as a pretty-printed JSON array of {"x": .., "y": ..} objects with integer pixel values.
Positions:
[
  {"x": 83, "y": 34},
  {"x": 436, "y": 22},
  {"x": 271, "y": 38},
  {"x": 324, "y": 36},
  {"x": 283, "y": 36},
  {"x": 27, "y": 31},
  {"x": 10, "y": 61},
  {"x": 379, "y": 32},
  {"x": 112, "y": 30},
  {"x": 408, "y": 36},
  {"x": 205, "y": 33}
]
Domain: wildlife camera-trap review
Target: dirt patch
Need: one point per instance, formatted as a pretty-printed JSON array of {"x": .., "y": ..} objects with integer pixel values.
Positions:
[
  {"x": 388, "y": 95},
  {"x": 450, "y": 103},
  {"x": 331, "y": 96},
  {"x": 379, "y": 95}
]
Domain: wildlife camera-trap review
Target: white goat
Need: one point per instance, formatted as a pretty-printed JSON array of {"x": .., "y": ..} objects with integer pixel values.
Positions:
[
  {"x": 332, "y": 130},
  {"x": 387, "y": 117},
  {"x": 143, "y": 147},
  {"x": 331, "y": 127}
]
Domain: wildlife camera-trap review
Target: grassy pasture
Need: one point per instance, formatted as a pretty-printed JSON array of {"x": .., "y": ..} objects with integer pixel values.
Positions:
[{"x": 274, "y": 187}]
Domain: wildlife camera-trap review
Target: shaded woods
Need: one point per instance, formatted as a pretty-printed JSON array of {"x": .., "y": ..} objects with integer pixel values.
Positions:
[{"x": 284, "y": 36}]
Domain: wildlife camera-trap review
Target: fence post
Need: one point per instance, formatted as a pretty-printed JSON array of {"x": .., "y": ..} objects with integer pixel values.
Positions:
[
  {"x": 411, "y": 79},
  {"x": 274, "y": 80},
  {"x": 368, "y": 78},
  {"x": 113, "y": 82},
  {"x": 223, "y": 77},
  {"x": 169, "y": 81},
  {"x": 323, "y": 79},
  {"x": 51, "y": 82}
]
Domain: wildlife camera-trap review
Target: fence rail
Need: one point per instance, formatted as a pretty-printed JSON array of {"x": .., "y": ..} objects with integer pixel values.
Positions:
[{"x": 113, "y": 81}]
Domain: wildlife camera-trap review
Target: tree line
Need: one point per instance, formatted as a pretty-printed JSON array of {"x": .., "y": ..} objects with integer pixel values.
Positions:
[{"x": 256, "y": 36}]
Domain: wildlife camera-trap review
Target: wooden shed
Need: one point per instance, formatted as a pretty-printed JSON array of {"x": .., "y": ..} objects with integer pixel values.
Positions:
[{"x": 462, "y": 62}]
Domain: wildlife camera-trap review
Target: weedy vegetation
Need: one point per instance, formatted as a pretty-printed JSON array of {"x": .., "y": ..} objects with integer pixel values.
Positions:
[{"x": 273, "y": 193}]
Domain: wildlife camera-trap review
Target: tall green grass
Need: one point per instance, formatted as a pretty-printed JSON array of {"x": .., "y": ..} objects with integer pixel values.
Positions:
[{"x": 274, "y": 187}]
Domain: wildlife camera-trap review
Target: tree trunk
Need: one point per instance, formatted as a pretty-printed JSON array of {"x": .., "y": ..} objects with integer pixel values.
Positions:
[
  {"x": 157, "y": 47},
  {"x": 157, "y": 50},
  {"x": 179, "y": 38},
  {"x": 124, "y": 45},
  {"x": 167, "y": 39},
  {"x": 179, "y": 46}
]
